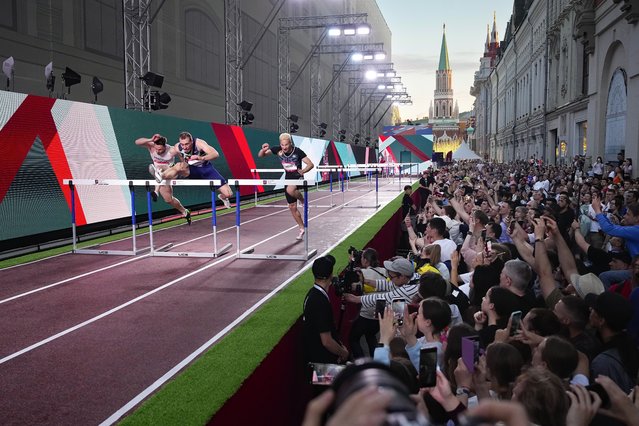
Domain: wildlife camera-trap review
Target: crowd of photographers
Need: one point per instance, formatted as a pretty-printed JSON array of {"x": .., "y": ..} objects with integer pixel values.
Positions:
[{"x": 518, "y": 302}]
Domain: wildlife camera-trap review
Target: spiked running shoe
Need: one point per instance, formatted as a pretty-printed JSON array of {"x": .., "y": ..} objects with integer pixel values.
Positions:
[
  {"x": 226, "y": 201},
  {"x": 187, "y": 216},
  {"x": 301, "y": 234},
  {"x": 154, "y": 196}
]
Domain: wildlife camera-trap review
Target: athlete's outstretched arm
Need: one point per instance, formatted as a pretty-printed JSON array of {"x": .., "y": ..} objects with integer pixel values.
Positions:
[
  {"x": 266, "y": 150},
  {"x": 211, "y": 153},
  {"x": 147, "y": 141},
  {"x": 309, "y": 165}
]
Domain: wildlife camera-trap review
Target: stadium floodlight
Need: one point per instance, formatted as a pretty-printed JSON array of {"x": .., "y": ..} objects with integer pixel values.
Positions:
[
  {"x": 363, "y": 29},
  {"x": 370, "y": 75},
  {"x": 48, "y": 74},
  {"x": 293, "y": 126},
  {"x": 96, "y": 87},
  {"x": 390, "y": 74},
  {"x": 159, "y": 100},
  {"x": 380, "y": 56},
  {"x": 349, "y": 31},
  {"x": 8, "y": 69},
  {"x": 246, "y": 116},
  {"x": 381, "y": 87},
  {"x": 357, "y": 57},
  {"x": 70, "y": 78},
  {"x": 153, "y": 79},
  {"x": 368, "y": 56},
  {"x": 334, "y": 31}
]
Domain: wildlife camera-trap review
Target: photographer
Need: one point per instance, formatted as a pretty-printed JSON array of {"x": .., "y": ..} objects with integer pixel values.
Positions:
[
  {"x": 366, "y": 323},
  {"x": 319, "y": 333}
]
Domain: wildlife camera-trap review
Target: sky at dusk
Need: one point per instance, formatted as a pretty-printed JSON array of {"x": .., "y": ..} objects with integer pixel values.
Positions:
[{"x": 416, "y": 27}]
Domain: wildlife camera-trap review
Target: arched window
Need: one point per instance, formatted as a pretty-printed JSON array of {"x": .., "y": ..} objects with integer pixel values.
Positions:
[
  {"x": 616, "y": 108},
  {"x": 202, "y": 47}
]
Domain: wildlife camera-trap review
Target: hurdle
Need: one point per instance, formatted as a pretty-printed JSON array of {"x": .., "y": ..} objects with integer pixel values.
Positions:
[
  {"x": 249, "y": 253},
  {"x": 254, "y": 172},
  {"x": 105, "y": 182},
  {"x": 376, "y": 205},
  {"x": 149, "y": 185},
  {"x": 348, "y": 176},
  {"x": 400, "y": 167},
  {"x": 163, "y": 251}
]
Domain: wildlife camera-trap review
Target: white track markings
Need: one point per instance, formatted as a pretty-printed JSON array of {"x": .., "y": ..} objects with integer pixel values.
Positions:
[
  {"x": 95, "y": 271},
  {"x": 186, "y": 361},
  {"x": 142, "y": 296}
]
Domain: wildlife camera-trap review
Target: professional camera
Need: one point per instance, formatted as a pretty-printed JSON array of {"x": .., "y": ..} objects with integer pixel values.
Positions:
[
  {"x": 356, "y": 255},
  {"x": 343, "y": 283},
  {"x": 363, "y": 373}
]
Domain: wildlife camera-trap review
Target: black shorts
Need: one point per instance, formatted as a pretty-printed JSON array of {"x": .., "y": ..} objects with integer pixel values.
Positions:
[{"x": 289, "y": 198}]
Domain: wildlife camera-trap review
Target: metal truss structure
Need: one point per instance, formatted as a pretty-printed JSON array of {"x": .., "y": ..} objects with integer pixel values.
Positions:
[
  {"x": 235, "y": 59},
  {"x": 233, "y": 51},
  {"x": 316, "y": 96},
  {"x": 353, "y": 86},
  {"x": 288, "y": 24},
  {"x": 137, "y": 52}
]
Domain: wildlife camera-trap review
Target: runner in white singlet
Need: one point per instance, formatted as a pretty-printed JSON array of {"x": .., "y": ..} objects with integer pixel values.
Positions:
[{"x": 162, "y": 160}]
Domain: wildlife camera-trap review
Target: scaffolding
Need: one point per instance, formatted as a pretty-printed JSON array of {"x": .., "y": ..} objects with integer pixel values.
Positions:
[
  {"x": 233, "y": 50},
  {"x": 137, "y": 52},
  {"x": 286, "y": 25}
]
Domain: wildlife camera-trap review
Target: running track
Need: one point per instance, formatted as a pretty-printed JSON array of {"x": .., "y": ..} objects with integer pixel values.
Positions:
[{"x": 84, "y": 337}]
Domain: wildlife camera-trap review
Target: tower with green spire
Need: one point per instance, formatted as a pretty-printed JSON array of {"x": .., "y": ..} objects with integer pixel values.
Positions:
[
  {"x": 443, "y": 54},
  {"x": 444, "y": 113}
]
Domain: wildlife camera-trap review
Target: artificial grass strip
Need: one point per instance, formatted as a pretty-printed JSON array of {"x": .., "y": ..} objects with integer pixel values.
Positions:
[
  {"x": 43, "y": 254},
  {"x": 197, "y": 393}
]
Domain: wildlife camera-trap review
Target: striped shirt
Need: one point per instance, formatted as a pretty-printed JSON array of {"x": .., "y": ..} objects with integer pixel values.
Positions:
[{"x": 390, "y": 291}]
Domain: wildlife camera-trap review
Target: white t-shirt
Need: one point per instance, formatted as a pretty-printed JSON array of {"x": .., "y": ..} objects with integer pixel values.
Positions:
[{"x": 447, "y": 248}]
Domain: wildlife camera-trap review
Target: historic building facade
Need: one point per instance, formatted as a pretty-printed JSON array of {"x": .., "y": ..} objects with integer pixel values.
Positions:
[{"x": 565, "y": 82}]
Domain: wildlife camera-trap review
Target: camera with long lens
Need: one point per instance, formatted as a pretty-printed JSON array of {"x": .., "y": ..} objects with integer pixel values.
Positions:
[
  {"x": 343, "y": 282},
  {"x": 363, "y": 373}
]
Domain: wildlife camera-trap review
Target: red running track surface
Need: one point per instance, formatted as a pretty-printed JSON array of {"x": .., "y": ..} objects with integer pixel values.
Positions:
[{"x": 82, "y": 335}]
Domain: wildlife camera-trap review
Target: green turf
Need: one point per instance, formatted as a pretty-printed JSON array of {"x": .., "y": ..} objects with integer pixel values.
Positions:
[
  {"x": 195, "y": 395},
  {"x": 43, "y": 254}
]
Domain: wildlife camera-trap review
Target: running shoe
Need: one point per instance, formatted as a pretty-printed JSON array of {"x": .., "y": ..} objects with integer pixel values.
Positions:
[
  {"x": 187, "y": 216},
  {"x": 226, "y": 201},
  {"x": 156, "y": 173},
  {"x": 301, "y": 234},
  {"x": 154, "y": 196}
]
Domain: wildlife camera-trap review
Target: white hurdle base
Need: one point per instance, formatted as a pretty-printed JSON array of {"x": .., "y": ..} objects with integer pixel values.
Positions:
[
  {"x": 161, "y": 252},
  {"x": 249, "y": 254},
  {"x": 111, "y": 252}
]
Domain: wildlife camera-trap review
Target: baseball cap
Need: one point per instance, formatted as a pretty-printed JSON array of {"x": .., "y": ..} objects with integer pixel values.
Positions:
[
  {"x": 400, "y": 265},
  {"x": 587, "y": 284},
  {"x": 323, "y": 267},
  {"x": 621, "y": 255},
  {"x": 615, "y": 309}
]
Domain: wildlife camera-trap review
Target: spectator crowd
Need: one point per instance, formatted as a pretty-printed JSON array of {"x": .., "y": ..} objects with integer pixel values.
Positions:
[{"x": 557, "y": 246}]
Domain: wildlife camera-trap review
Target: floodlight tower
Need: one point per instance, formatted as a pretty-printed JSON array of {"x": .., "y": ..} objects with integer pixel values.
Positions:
[{"x": 348, "y": 25}]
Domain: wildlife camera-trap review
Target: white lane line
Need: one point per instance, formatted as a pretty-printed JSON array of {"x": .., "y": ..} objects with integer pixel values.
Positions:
[
  {"x": 186, "y": 361},
  {"x": 18, "y": 296},
  {"x": 141, "y": 297}
]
